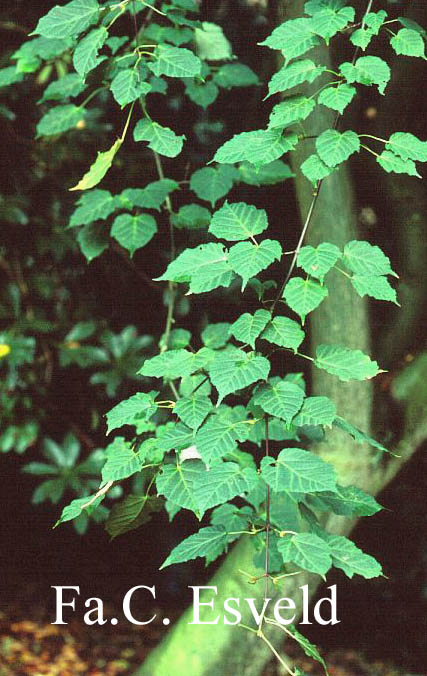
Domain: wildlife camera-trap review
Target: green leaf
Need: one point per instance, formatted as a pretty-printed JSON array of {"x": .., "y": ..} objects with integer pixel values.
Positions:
[
  {"x": 362, "y": 37},
  {"x": 257, "y": 147},
  {"x": 175, "y": 437},
  {"x": 211, "y": 43},
  {"x": 338, "y": 97},
  {"x": 367, "y": 70},
  {"x": 345, "y": 363},
  {"x": 294, "y": 74},
  {"x": 217, "y": 438},
  {"x": 60, "y": 119},
  {"x": 202, "y": 93},
  {"x": 363, "y": 258},
  {"x": 316, "y": 411},
  {"x": 92, "y": 240},
  {"x": 141, "y": 406},
  {"x": 175, "y": 363},
  {"x": 329, "y": 21},
  {"x": 407, "y": 146},
  {"x": 99, "y": 168},
  {"x": 304, "y": 295},
  {"x": 150, "y": 197},
  {"x": 347, "y": 501},
  {"x": 193, "y": 410},
  {"x": 269, "y": 174},
  {"x": 350, "y": 559},
  {"x": 283, "y": 399},
  {"x": 413, "y": 25},
  {"x": 298, "y": 471},
  {"x": 205, "y": 267},
  {"x": 238, "y": 221},
  {"x": 121, "y": 461},
  {"x": 247, "y": 259},
  {"x": 248, "y": 327},
  {"x": 374, "y": 20},
  {"x": 358, "y": 435},
  {"x": 334, "y": 147},
  {"x": 211, "y": 184},
  {"x": 131, "y": 513},
  {"x": 93, "y": 206},
  {"x": 317, "y": 261},
  {"x": 314, "y": 169},
  {"x": 216, "y": 336},
  {"x": 374, "y": 286},
  {"x": 160, "y": 139},
  {"x": 232, "y": 371},
  {"x": 9, "y": 76},
  {"x": 408, "y": 42},
  {"x": 191, "y": 217},
  {"x": 284, "y": 332},
  {"x": 209, "y": 542},
  {"x": 222, "y": 483},
  {"x": 127, "y": 86},
  {"x": 309, "y": 648},
  {"x": 133, "y": 232},
  {"x": 392, "y": 163},
  {"x": 85, "y": 56},
  {"x": 307, "y": 551},
  {"x": 291, "y": 110},
  {"x": 68, "y": 20},
  {"x": 175, "y": 62},
  {"x": 71, "y": 85},
  {"x": 76, "y": 507},
  {"x": 231, "y": 518},
  {"x": 177, "y": 483},
  {"x": 294, "y": 38},
  {"x": 235, "y": 75}
]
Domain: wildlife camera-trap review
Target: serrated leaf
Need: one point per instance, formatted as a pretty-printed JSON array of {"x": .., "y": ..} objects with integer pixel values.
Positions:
[
  {"x": 85, "y": 57},
  {"x": 290, "y": 111},
  {"x": 140, "y": 406},
  {"x": 217, "y": 438},
  {"x": 350, "y": 559},
  {"x": 238, "y": 221},
  {"x": 205, "y": 267},
  {"x": 175, "y": 62},
  {"x": 392, "y": 163},
  {"x": 93, "y": 206},
  {"x": 68, "y": 20},
  {"x": 133, "y": 232},
  {"x": 363, "y": 258},
  {"x": 232, "y": 371},
  {"x": 70, "y": 85},
  {"x": 131, "y": 513},
  {"x": 222, "y": 483},
  {"x": 374, "y": 20},
  {"x": 175, "y": 363},
  {"x": 257, "y": 147},
  {"x": 281, "y": 399},
  {"x": 345, "y": 363},
  {"x": 268, "y": 174},
  {"x": 316, "y": 411},
  {"x": 151, "y": 197},
  {"x": 309, "y": 648},
  {"x": 231, "y": 518},
  {"x": 121, "y": 461},
  {"x": 377, "y": 287},
  {"x": 202, "y": 93},
  {"x": 160, "y": 139},
  {"x": 317, "y": 261},
  {"x": 338, "y": 97},
  {"x": 367, "y": 70},
  {"x": 358, "y": 435},
  {"x": 60, "y": 119},
  {"x": 298, "y": 471},
  {"x": 99, "y": 168},
  {"x": 216, "y": 336},
  {"x": 211, "y": 43},
  {"x": 92, "y": 240},
  {"x": 304, "y": 295},
  {"x": 362, "y": 37},
  {"x": 284, "y": 332},
  {"x": 294, "y": 38},
  {"x": 191, "y": 217},
  {"x": 294, "y": 74},
  {"x": 127, "y": 86},
  {"x": 235, "y": 75},
  {"x": 248, "y": 327},
  {"x": 307, "y": 551},
  {"x": 408, "y": 42},
  {"x": 334, "y": 147},
  {"x": 314, "y": 169},
  {"x": 76, "y": 507},
  {"x": 329, "y": 21},
  {"x": 177, "y": 483},
  {"x": 407, "y": 146},
  {"x": 347, "y": 501},
  {"x": 193, "y": 410},
  {"x": 247, "y": 259},
  {"x": 176, "y": 437},
  {"x": 209, "y": 542},
  {"x": 211, "y": 184}
]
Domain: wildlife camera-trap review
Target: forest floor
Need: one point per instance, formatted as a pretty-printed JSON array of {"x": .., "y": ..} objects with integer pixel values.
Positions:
[{"x": 31, "y": 646}]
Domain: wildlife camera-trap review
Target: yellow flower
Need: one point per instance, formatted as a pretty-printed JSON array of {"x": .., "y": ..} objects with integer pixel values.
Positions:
[{"x": 4, "y": 350}]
